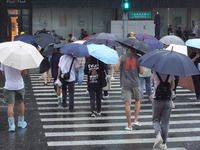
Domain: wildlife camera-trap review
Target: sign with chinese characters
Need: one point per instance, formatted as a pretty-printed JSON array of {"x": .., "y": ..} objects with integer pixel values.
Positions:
[{"x": 140, "y": 15}]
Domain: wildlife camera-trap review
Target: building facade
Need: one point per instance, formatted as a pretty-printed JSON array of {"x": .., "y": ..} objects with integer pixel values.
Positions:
[{"x": 70, "y": 16}]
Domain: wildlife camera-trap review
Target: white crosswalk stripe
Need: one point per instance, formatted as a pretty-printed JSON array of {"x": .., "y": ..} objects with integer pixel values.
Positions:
[{"x": 63, "y": 128}]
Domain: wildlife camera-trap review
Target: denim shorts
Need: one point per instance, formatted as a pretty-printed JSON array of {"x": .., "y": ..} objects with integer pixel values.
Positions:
[
  {"x": 127, "y": 92},
  {"x": 10, "y": 96}
]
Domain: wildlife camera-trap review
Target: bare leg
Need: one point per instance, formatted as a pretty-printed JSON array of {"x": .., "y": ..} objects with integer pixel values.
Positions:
[
  {"x": 137, "y": 109},
  {"x": 49, "y": 75},
  {"x": 10, "y": 110},
  {"x": 21, "y": 108},
  {"x": 128, "y": 112},
  {"x": 44, "y": 76},
  {"x": 59, "y": 90}
]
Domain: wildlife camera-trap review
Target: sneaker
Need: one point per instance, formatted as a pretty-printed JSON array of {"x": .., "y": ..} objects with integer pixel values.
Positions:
[
  {"x": 128, "y": 129},
  {"x": 93, "y": 115},
  {"x": 158, "y": 141},
  {"x": 137, "y": 124},
  {"x": 21, "y": 122},
  {"x": 11, "y": 123},
  {"x": 99, "y": 113},
  {"x": 106, "y": 97},
  {"x": 163, "y": 147},
  {"x": 112, "y": 78}
]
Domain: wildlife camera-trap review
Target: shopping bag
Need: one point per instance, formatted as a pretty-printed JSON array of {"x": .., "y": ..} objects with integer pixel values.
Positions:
[{"x": 108, "y": 85}]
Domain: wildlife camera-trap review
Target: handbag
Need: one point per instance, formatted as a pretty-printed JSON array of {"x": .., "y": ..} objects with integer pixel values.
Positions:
[
  {"x": 66, "y": 76},
  {"x": 108, "y": 85}
]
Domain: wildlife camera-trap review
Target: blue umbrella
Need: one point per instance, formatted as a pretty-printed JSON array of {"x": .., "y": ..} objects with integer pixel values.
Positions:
[
  {"x": 107, "y": 39},
  {"x": 155, "y": 44},
  {"x": 25, "y": 38},
  {"x": 75, "y": 49},
  {"x": 193, "y": 43},
  {"x": 169, "y": 62},
  {"x": 103, "y": 53}
]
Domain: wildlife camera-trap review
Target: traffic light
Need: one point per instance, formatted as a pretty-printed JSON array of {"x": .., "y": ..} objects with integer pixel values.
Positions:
[{"x": 126, "y": 5}]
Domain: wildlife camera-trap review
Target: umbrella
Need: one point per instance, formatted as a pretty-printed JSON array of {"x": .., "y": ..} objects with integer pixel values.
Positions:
[
  {"x": 79, "y": 41},
  {"x": 19, "y": 55},
  {"x": 52, "y": 48},
  {"x": 87, "y": 37},
  {"x": 178, "y": 48},
  {"x": 45, "y": 39},
  {"x": 193, "y": 43},
  {"x": 169, "y": 62},
  {"x": 103, "y": 53},
  {"x": 155, "y": 44},
  {"x": 107, "y": 39},
  {"x": 172, "y": 39},
  {"x": 75, "y": 49},
  {"x": 25, "y": 38},
  {"x": 142, "y": 36},
  {"x": 157, "y": 25},
  {"x": 141, "y": 46}
]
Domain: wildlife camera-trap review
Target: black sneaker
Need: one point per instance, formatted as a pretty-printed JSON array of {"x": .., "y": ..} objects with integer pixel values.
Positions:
[
  {"x": 93, "y": 115},
  {"x": 64, "y": 105}
]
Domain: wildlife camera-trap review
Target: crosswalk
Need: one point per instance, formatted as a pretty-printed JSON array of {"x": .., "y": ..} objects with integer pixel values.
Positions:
[{"x": 78, "y": 130}]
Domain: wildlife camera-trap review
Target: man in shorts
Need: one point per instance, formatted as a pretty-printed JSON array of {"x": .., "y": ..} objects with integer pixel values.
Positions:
[
  {"x": 129, "y": 68},
  {"x": 14, "y": 91}
]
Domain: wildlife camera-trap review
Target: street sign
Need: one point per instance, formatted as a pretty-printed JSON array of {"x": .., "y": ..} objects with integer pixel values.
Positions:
[{"x": 140, "y": 15}]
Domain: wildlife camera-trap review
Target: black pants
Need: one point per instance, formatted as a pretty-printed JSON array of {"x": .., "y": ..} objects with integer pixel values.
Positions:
[
  {"x": 70, "y": 86},
  {"x": 196, "y": 82},
  {"x": 176, "y": 83},
  {"x": 95, "y": 94}
]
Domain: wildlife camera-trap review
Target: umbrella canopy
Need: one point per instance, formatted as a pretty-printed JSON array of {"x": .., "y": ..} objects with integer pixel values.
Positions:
[
  {"x": 79, "y": 41},
  {"x": 45, "y": 39},
  {"x": 19, "y": 55},
  {"x": 193, "y": 43},
  {"x": 87, "y": 37},
  {"x": 26, "y": 38},
  {"x": 52, "y": 48},
  {"x": 169, "y": 62},
  {"x": 155, "y": 44},
  {"x": 141, "y": 46},
  {"x": 103, "y": 53},
  {"x": 172, "y": 39},
  {"x": 178, "y": 48},
  {"x": 75, "y": 49},
  {"x": 107, "y": 39},
  {"x": 142, "y": 36}
]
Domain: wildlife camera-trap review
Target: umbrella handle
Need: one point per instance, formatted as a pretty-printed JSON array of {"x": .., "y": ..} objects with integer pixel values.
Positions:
[{"x": 172, "y": 48}]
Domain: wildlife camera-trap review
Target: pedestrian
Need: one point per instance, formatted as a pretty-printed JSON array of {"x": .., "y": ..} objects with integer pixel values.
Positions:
[
  {"x": 195, "y": 56},
  {"x": 105, "y": 92},
  {"x": 80, "y": 73},
  {"x": 186, "y": 34},
  {"x": 161, "y": 108},
  {"x": 54, "y": 71},
  {"x": 193, "y": 31},
  {"x": 113, "y": 67},
  {"x": 129, "y": 68},
  {"x": 179, "y": 32},
  {"x": 82, "y": 36},
  {"x": 14, "y": 91},
  {"x": 95, "y": 71},
  {"x": 67, "y": 66},
  {"x": 146, "y": 76},
  {"x": 170, "y": 30},
  {"x": 72, "y": 38}
]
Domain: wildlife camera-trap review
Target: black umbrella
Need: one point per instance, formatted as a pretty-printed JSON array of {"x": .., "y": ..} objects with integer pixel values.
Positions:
[
  {"x": 141, "y": 46},
  {"x": 157, "y": 26},
  {"x": 52, "y": 48},
  {"x": 45, "y": 39}
]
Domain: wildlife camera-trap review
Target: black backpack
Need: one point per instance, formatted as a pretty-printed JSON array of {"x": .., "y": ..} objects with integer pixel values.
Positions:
[{"x": 163, "y": 91}]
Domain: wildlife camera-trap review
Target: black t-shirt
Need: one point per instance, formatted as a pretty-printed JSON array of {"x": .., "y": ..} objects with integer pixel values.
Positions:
[{"x": 197, "y": 60}]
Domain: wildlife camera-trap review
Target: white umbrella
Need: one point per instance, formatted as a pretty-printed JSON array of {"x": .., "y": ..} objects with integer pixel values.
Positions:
[
  {"x": 80, "y": 41},
  {"x": 172, "y": 39},
  {"x": 19, "y": 55},
  {"x": 178, "y": 48}
]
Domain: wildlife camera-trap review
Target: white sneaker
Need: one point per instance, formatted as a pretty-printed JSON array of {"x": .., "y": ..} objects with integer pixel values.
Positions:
[
  {"x": 163, "y": 147},
  {"x": 128, "y": 129},
  {"x": 158, "y": 141},
  {"x": 112, "y": 78},
  {"x": 137, "y": 124},
  {"x": 106, "y": 97}
]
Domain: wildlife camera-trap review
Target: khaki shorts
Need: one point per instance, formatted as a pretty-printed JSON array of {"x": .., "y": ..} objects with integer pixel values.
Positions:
[
  {"x": 127, "y": 92},
  {"x": 10, "y": 96}
]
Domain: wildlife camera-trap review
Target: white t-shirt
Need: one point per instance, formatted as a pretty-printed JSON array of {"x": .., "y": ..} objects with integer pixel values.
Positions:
[
  {"x": 14, "y": 79},
  {"x": 65, "y": 63}
]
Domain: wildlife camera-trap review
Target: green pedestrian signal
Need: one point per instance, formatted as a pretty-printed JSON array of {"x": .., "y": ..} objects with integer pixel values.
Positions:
[{"x": 126, "y": 5}]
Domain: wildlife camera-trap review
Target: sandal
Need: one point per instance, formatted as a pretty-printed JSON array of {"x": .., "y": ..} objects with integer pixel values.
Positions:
[{"x": 128, "y": 129}]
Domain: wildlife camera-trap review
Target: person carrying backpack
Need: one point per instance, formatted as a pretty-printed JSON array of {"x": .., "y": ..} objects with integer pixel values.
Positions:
[{"x": 163, "y": 84}]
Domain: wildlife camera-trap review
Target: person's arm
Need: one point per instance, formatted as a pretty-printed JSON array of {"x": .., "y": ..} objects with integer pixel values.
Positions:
[
  {"x": 117, "y": 69},
  {"x": 141, "y": 70},
  {"x": 3, "y": 73},
  {"x": 59, "y": 70},
  {"x": 197, "y": 56},
  {"x": 76, "y": 69},
  {"x": 23, "y": 73}
]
